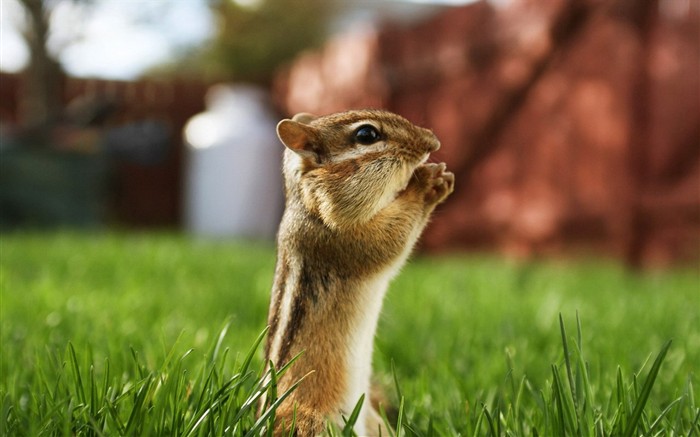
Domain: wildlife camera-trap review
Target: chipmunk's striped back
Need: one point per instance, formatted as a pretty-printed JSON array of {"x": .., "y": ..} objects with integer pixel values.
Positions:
[{"x": 358, "y": 197}]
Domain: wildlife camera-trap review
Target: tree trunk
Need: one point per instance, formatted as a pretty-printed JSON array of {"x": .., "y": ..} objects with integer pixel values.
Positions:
[{"x": 41, "y": 90}]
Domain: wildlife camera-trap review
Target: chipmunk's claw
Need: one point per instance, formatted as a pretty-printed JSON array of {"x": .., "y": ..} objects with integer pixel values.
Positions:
[{"x": 436, "y": 182}]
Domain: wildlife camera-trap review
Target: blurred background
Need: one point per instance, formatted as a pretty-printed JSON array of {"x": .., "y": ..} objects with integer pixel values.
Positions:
[{"x": 573, "y": 126}]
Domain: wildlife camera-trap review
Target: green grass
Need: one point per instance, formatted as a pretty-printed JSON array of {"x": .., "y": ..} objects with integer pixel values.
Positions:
[{"x": 106, "y": 334}]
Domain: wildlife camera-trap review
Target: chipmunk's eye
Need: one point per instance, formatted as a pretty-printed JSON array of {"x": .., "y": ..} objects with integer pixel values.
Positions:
[{"x": 367, "y": 134}]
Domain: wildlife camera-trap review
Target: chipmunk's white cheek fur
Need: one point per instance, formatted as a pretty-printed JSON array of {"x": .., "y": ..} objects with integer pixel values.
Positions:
[
  {"x": 292, "y": 164},
  {"x": 408, "y": 173},
  {"x": 403, "y": 180},
  {"x": 361, "y": 151},
  {"x": 393, "y": 182}
]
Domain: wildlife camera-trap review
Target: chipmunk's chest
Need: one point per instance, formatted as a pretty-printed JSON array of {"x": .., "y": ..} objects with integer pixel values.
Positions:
[{"x": 361, "y": 341}]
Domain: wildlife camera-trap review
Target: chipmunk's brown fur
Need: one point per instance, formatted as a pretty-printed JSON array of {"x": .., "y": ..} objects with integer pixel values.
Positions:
[{"x": 355, "y": 207}]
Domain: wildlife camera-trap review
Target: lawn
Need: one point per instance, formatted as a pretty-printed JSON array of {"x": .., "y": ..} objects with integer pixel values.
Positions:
[{"x": 143, "y": 334}]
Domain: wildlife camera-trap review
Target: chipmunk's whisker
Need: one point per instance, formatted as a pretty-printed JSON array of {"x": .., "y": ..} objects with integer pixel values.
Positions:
[{"x": 431, "y": 160}]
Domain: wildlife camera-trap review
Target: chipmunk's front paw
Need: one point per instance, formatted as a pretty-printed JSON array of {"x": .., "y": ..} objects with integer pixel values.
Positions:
[{"x": 435, "y": 182}]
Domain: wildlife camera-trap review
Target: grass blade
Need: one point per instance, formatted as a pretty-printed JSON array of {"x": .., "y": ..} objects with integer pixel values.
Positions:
[
  {"x": 564, "y": 403},
  {"x": 399, "y": 420},
  {"x": 136, "y": 417},
  {"x": 489, "y": 420},
  {"x": 662, "y": 415},
  {"x": 646, "y": 391},
  {"x": 79, "y": 389},
  {"x": 567, "y": 361},
  {"x": 695, "y": 424},
  {"x": 352, "y": 420},
  {"x": 266, "y": 415},
  {"x": 399, "y": 395}
]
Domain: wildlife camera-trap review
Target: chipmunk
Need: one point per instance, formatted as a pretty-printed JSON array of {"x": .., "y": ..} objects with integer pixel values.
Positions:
[{"x": 358, "y": 194}]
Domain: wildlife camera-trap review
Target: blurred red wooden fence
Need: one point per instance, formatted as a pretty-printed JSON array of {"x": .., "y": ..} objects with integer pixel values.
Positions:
[{"x": 569, "y": 124}]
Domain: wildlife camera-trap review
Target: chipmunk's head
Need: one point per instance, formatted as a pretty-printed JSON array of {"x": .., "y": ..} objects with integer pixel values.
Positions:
[{"x": 351, "y": 164}]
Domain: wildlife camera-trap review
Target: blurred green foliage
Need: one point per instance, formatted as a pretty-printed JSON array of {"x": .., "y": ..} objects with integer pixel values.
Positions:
[{"x": 252, "y": 40}]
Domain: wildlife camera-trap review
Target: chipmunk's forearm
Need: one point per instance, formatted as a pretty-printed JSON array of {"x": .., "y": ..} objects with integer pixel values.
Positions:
[{"x": 412, "y": 207}]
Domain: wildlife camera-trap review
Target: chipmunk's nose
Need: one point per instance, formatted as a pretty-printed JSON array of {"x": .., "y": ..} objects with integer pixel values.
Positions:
[{"x": 432, "y": 140}]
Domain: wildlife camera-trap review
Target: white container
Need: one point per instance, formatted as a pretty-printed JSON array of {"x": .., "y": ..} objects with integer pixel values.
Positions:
[{"x": 233, "y": 182}]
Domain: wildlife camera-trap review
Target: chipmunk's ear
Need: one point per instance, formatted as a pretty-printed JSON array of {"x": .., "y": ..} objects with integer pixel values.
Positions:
[
  {"x": 299, "y": 138},
  {"x": 304, "y": 118}
]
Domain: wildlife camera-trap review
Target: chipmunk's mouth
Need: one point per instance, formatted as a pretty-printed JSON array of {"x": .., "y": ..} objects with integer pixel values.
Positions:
[
  {"x": 412, "y": 170},
  {"x": 422, "y": 161},
  {"x": 409, "y": 170}
]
